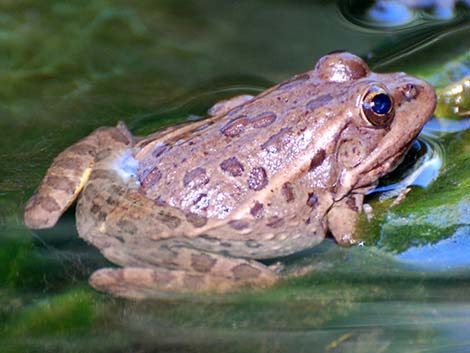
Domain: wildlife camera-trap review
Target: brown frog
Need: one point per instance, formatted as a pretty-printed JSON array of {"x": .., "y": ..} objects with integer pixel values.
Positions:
[{"x": 192, "y": 207}]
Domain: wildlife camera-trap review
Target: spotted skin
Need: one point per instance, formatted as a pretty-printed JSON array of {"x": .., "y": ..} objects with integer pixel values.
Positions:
[{"x": 193, "y": 207}]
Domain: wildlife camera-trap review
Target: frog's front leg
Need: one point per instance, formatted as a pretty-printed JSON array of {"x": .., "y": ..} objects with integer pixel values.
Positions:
[
  {"x": 342, "y": 218},
  {"x": 195, "y": 271},
  {"x": 68, "y": 174}
]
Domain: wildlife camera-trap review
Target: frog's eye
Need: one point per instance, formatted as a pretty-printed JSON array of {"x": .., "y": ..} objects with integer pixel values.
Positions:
[{"x": 377, "y": 107}]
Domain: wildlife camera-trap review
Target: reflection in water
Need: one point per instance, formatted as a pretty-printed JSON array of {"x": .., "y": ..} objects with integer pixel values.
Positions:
[
  {"x": 397, "y": 12},
  {"x": 400, "y": 13},
  {"x": 447, "y": 254},
  {"x": 437, "y": 125},
  {"x": 423, "y": 162},
  {"x": 392, "y": 13}
]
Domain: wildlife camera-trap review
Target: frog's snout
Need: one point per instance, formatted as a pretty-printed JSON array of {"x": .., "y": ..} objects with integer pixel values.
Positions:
[{"x": 415, "y": 96}]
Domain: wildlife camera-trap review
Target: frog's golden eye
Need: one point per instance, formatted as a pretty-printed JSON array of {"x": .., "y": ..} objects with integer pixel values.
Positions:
[{"x": 377, "y": 106}]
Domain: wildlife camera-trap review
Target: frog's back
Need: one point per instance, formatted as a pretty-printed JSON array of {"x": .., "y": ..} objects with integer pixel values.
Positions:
[{"x": 243, "y": 156}]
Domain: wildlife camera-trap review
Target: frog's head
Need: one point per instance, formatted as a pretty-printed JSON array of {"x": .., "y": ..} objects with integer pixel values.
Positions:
[{"x": 385, "y": 113}]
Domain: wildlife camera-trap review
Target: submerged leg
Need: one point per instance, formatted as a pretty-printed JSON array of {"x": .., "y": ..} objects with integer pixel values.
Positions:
[
  {"x": 68, "y": 174},
  {"x": 186, "y": 270},
  {"x": 154, "y": 243}
]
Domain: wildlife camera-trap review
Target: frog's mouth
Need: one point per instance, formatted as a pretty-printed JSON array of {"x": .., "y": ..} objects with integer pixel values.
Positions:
[
  {"x": 394, "y": 161},
  {"x": 366, "y": 175}
]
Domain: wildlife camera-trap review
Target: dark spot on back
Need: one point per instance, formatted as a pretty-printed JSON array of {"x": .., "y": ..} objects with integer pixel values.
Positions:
[
  {"x": 238, "y": 224},
  {"x": 232, "y": 167},
  {"x": 202, "y": 262},
  {"x": 196, "y": 220},
  {"x": 319, "y": 101},
  {"x": 195, "y": 178},
  {"x": 152, "y": 178},
  {"x": 263, "y": 119},
  {"x": 277, "y": 141},
  {"x": 312, "y": 199},
  {"x": 202, "y": 127},
  {"x": 288, "y": 191},
  {"x": 294, "y": 81},
  {"x": 245, "y": 271},
  {"x": 235, "y": 110},
  {"x": 257, "y": 179},
  {"x": 257, "y": 210},
  {"x": 235, "y": 127},
  {"x": 201, "y": 202},
  {"x": 159, "y": 150},
  {"x": 168, "y": 219},
  {"x": 317, "y": 159},
  {"x": 275, "y": 222}
]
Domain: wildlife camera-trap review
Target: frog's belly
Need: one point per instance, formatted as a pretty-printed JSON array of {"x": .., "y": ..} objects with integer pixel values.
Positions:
[{"x": 258, "y": 247}]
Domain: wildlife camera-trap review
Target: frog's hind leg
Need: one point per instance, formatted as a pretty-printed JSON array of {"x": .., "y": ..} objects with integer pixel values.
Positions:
[
  {"x": 181, "y": 270},
  {"x": 68, "y": 174},
  {"x": 153, "y": 243}
]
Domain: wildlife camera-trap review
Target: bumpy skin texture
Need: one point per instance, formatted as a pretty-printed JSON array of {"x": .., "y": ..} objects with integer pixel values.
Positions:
[{"x": 192, "y": 207}]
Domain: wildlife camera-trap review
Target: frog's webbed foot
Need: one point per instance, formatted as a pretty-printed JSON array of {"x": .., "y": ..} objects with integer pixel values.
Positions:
[
  {"x": 195, "y": 272},
  {"x": 224, "y": 106},
  {"x": 342, "y": 219},
  {"x": 68, "y": 174}
]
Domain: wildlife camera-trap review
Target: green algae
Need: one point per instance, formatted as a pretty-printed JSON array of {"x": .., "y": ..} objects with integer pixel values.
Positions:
[{"x": 431, "y": 214}]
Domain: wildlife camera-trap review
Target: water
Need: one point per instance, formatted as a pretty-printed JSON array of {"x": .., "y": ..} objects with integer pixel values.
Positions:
[{"x": 69, "y": 67}]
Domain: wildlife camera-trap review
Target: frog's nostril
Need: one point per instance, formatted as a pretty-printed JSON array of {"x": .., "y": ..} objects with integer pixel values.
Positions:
[{"x": 409, "y": 92}]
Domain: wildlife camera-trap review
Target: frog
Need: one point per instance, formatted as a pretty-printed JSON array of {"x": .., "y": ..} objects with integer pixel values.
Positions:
[{"x": 203, "y": 206}]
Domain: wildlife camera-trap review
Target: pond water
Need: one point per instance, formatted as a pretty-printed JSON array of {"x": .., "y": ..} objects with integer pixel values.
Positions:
[{"x": 68, "y": 67}]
